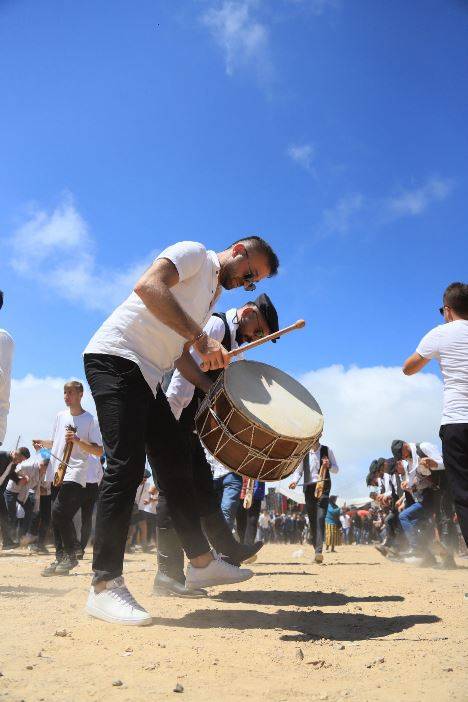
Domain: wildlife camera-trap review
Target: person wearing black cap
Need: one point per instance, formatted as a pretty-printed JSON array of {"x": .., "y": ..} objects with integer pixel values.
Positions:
[
  {"x": 217, "y": 499},
  {"x": 6, "y": 357}
]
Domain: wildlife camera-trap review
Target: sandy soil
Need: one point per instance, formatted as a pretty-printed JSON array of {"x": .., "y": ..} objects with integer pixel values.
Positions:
[{"x": 355, "y": 628}]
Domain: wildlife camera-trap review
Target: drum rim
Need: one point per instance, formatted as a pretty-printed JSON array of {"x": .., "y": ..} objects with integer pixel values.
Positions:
[{"x": 257, "y": 421}]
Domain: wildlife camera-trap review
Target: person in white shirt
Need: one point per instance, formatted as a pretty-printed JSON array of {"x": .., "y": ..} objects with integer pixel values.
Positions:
[
  {"x": 6, "y": 358},
  {"x": 124, "y": 363},
  {"x": 448, "y": 343},
  {"x": 248, "y": 323},
  {"x": 79, "y": 427},
  {"x": 23, "y": 494},
  {"x": 320, "y": 456},
  {"x": 422, "y": 460},
  {"x": 345, "y": 520}
]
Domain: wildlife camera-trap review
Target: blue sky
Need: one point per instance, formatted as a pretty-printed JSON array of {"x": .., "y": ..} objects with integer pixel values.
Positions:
[{"x": 336, "y": 130}]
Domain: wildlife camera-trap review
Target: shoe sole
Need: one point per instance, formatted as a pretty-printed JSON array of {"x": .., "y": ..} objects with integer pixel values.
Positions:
[
  {"x": 252, "y": 559},
  {"x": 97, "y": 614},
  {"x": 161, "y": 592},
  {"x": 213, "y": 583}
]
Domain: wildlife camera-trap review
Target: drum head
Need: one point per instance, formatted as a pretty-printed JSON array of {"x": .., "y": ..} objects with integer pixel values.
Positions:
[{"x": 273, "y": 399}]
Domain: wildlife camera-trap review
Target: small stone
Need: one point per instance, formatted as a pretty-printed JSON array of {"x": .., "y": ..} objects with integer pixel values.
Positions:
[
  {"x": 1, "y": 675},
  {"x": 151, "y": 666},
  {"x": 324, "y": 697},
  {"x": 161, "y": 645},
  {"x": 178, "y": 688},
  {"x": 117, "y": 683},
  {"x": 29, "y": 667},
  {"x": 129, "y": 649},
  {"x": 61, "y": 632},
  {"x": 341, "y": 648},
  {"x": 447, "y": 670},
  {"x": 299, "y": 654}
]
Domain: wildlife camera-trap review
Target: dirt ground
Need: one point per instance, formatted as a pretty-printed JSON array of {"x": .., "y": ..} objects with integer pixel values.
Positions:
[{"x": 355, "y": 628}]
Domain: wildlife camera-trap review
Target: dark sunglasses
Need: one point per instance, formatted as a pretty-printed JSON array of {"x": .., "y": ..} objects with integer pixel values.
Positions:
[
  {"x": 441, "y": 310},
  {"x": 248, "y": 277}
]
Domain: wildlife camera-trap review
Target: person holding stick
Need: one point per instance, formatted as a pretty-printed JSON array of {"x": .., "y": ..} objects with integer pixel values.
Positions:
[{"x": 124, "y": 362}]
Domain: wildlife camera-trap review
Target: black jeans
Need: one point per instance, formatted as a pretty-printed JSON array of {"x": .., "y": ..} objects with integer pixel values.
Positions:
[
  {"x": 247, "y": 521},
  {"x": 88, "y": 500},
  {"x": 134, "y": 423},
  {"x": 11, "y": 499},
  {"x": 66, "y": 501},
  {"x": 4, "y": 522},
  {"x": 316, "y": 510},
  {"x": 455, "y": 454}
]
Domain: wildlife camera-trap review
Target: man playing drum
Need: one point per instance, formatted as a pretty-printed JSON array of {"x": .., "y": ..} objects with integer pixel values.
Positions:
[
  {"x": 124, "y": 363},
  {"x": 237, "y": 326}
]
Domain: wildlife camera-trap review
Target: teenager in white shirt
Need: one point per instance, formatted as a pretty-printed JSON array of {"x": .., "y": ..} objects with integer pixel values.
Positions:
[
  {"x": 319, "y": 457},
  {"x": 448, "y": 343},
  {"x": 6, "y": 358},
  {"x": 79, "y": 427},
  {"x": 124, "y": 363}
]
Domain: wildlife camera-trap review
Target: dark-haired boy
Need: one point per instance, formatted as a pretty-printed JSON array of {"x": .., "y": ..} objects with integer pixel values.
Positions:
[
  {"x": 9, "y": 461},
  {"x": 448, "y": 343},
  {"x": 78, "y": 426}
]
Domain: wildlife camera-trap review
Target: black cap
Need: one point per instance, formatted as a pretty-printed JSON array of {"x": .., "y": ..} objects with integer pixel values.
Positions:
[
  {"x": 381, "y": 463},
  {"x": 269, "y": 312},
  {"x": 397, "y": 449},
  {"x": 390, "y": 465},
  {"x": 373, "y": 467}
]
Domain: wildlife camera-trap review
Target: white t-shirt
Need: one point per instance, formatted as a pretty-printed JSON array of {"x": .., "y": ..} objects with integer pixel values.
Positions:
[
  {"x": 180, "y": 390},
  {"x": 6, "y": 358},
  {"x": 143, "y": 495},
  {"x": 264, "y": 521},
  {"x": 133, "y": 332},
  {"x": 88, "y": 430},
  {"x": 448, "y": 343},
  {"x": 414, "y": 476}
]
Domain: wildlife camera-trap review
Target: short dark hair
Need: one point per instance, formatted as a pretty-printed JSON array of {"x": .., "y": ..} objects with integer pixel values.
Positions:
[
  {"x": 74, "y": 384},
  {"x": 24, "y": 451},
  {"x": 456, "y": 297},
  {"x": 256, "y": 243}
]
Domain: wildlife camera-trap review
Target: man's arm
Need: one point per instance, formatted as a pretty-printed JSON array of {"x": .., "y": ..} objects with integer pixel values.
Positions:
[
  {"x": 414, "y": 363},
  {"x": 296, "y": 476},
  {"x": 434, "y": 460},
  {"x": 87, "y": 446},
  {"x": 187, "y": 366},
  {"x": 154, "y": 290},
  {"x": 333, "y": 467}
]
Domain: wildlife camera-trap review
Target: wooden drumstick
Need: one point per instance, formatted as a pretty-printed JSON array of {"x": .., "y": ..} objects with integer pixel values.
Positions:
[
  {"x": 249, "y": 490},
  {"x": 258, "y": 342}
]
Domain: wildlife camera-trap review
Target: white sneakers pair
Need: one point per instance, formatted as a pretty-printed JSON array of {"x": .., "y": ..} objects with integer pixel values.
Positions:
[{"x": 115, "y": 604}]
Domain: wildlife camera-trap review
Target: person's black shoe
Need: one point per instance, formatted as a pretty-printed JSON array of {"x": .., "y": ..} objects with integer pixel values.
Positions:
[
  {"x": 244, "y": 553},
  {"x": 382, "y": 549},
  {"x": 220, "y": 537},
  {"x": 66, "y": 565},
  {"x": 164, "y": 586},
  {"x": 50, "y": 570}
]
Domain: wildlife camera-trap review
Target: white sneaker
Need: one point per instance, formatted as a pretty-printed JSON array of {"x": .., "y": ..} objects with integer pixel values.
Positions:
[
  {"x": 218, "y": 572},
  {"x": 116, "y": 605}
]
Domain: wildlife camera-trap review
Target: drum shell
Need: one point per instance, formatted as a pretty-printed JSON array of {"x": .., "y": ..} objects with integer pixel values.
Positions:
[{"x": 243, "y": 446}]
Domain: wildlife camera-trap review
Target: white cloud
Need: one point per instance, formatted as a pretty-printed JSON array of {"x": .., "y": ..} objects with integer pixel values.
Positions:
[
  {"x": 415, "y": 201},
  {"x": 364, "y": 409},
  {"x": 56, "y": 249},
  {"x": 302, "y": 154},
  {"x": 243, "y": 39},
  {"x": 338, "y": 219}
]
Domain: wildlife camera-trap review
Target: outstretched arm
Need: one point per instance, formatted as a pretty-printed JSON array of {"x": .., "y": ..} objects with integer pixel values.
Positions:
[{"x": 414, "y": 363}]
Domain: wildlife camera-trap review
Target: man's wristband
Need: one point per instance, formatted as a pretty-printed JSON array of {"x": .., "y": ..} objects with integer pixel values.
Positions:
[{"x": 199, "y": 336}]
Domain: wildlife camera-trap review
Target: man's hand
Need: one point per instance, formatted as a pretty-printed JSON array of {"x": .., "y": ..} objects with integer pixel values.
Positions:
[
  {"x": 212, "y": 353},
  {"x": 405, "y": 485},
  {"x": 326, "y": 463},
  {"x": 292, "y": 486},
  {"x": 70, "y": 436},
  {"x": 428, "y": 463}
]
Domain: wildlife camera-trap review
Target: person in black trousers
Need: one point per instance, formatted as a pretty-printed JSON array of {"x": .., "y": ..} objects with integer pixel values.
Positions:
[
  {"x": 448, "y": 343},
  {"x": 9, "y": 462}
]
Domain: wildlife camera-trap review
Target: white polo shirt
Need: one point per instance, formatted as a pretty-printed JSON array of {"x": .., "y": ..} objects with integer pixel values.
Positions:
[
  {"x": 448, "y": 343},
  {"x": 133, "y": 332}
]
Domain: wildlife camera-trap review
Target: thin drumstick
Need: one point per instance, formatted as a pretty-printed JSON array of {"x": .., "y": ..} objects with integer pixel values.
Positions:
[{"x": 253, "y": 344}]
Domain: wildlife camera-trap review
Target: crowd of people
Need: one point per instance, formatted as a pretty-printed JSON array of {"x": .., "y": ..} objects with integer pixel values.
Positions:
[{"x": 196, "y": 508}]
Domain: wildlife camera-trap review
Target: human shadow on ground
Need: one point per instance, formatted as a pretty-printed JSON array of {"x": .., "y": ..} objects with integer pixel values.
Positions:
[
  {"x": 292, "y": 598},
  {"x": 27, "y": 590},
  {"x": 342, "y": 626},
  {"x": 282, "y": 572}
]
